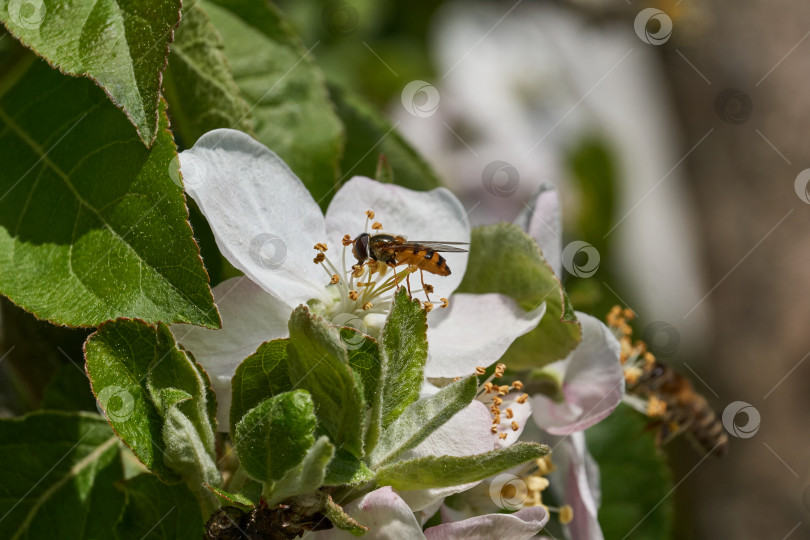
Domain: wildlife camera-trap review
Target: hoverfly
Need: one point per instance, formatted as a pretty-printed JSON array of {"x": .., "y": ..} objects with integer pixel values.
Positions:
[{"x": 395, "y": 250}]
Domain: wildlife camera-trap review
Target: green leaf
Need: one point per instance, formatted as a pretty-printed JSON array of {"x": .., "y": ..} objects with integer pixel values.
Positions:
[
  {"x": 370, "y": 135},
  {"x": 69, "y": 390},
  {"x": 273, "y": 437},
  {"x": 405, "y": 348},
  {"x": 364, "y": 359},
  {"x": 345, "y": 469},
  {"x": 232, "y": 499},
  {"x": 504, "y": 259},
  {"x": 92, "y": 227},
  {"x": 156, "y": 511},
  {"x": 290, "y": 105},
  {"x": 306, "y": 477},
  {"x": 198, "y": 85},
  {"x": 318, "y": 363},
  {"x": 443, "y": 471},
  {"x": 635, "y": 478},
  {"x": 122, "y": 46},
  {"x": 155, "y": 398},
  {"x": 341, "y": 519},
  {"x": 421, "y": 418},
  {"x": 261, "y": 375},
  {"x": 58, "y": 476}
]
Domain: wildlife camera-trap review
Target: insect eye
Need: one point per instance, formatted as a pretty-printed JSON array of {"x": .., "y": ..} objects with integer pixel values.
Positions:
[{"x": 360, "y": 249}]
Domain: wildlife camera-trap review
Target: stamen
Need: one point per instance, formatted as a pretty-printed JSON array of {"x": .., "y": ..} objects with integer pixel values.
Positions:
[
  {"x": 656, "y": 407},
  {"x": 502, "y": 436},
  {"x": 357, "y": 270},
  {"x": 319, "y": 258},
  {"x": 367, "y": 306},
  {"x": 517, "y": 385},
  {"x": 376, "y": 226},
  {"x": 320, "y": 246},
  {"x": 335, "y": 279},
  {"x": 509, "y": 413},
  {"x": 493, "y": 429},
  {"x": 499, "y": 369},
  {"x": 445, "y": 303},
  {"x": 480, "y": 371},
  {"x": 369, "y": 214},
  {"x": 353, "y": 295},
  {"x": 347, "y": 240},
  {"x": 566, "y": 514},
  {"x": 522, "y": 399},
  {"x": 515, "y": 425},
  {"x": 428, "y": 306},
  {"x": 503, "y": 390}
]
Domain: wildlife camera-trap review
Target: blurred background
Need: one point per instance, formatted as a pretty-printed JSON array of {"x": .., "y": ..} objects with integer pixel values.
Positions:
[{"x": 675, "y": 132}]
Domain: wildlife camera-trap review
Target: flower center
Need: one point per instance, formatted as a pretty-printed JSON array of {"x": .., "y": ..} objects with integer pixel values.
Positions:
[{"x": 500, "y": 400}]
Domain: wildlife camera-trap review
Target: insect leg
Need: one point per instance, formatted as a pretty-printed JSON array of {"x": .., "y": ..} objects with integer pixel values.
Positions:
[
  {"x": 424, "y": 288},
  {"x": 408, "y": 281}
]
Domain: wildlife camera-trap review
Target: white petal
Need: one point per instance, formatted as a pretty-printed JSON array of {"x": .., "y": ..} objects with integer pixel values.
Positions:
[
  {"x": 542, "y": 220},
  {"x": 475, "y": 330},
  {"x": 466, "y": 434},
  {"x": 521, "y": 525},
  {"x": 593, "y": 384},
  {"x": 264, "y": 220},
  {"x": 582, "y": 490},
  {"x": 250, "y": 317},
  {"x": 521, "y": 413},
  {"x": 435, "y": 215},
  {"x": 383, "y": 512}
]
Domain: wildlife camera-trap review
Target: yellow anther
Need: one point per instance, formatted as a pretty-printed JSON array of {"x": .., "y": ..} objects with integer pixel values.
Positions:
[
  {"x": 488, "y": 387},
  {"x": 370, "y": 215},
  {"x": 656, "y": 407},
  {"x": 515, "y": 425},
  {"x": 347, "y": 240},
  {"x": 502, "y": 436},
  {"x": 494, "y": 410},
  {"x": 536, "y": 483},
  {"x": 320, "y": 246},
  {"x": 544, "y": 465},
  {"x": 632, "y": 374},
  {"x": 509, "y": 413},
  {"x": 493, "y": 429},
  {"x": 503, "y": 390},
  {"x": 428, "y": 306},
  {"x": 335, "y": 279},
  {"x": 445, "y": 303},
  {"x": 499, "y": 369},
  {"x": 517, "y": 385},
  {"x": 367, "y": 306},
  {"x": 353, "y": 295},
  {"x": 376, "y": 226},
  {"x": 497, "y": 401},
  {"x": 319, "y": 258},
  {"x": 649, "y": 358},
  {"x": 480, "y": 370},
  {"x": 566, "y": 514},
  {"x": 357, "y": 270},
  {"x": 429, "y": 288},
  {"x": 522, "y": 399}
]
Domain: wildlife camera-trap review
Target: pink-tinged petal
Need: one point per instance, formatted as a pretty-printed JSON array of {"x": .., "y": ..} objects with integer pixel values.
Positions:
[
  {"x": 383, "y": 512},
  {"x": 435, "y": 215},
  {"x": 521, "y": 525},
  {"x": 542, "y": 220},
  {"x": 593, "y": 384},
  {"x": 263, "y": 218},
  {"x": 250, "y": 317},
  {"x": 465, "y": 434},
  {"x": 475, "y": 330},
  {"x": 582, "y": 490},
  {"x": 520, "y": 415}
]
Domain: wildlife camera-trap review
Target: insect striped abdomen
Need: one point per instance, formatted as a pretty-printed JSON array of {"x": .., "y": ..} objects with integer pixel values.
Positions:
[{"x": 425, "y": 259}]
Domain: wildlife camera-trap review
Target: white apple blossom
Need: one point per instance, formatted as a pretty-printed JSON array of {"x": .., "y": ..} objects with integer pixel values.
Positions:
[{"x": 267, "y": 225}]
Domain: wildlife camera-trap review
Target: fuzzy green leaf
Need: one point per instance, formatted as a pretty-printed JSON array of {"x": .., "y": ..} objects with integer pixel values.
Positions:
[
  {"x": 232, "y": 499},
  {"x": 404, "y": 347},
  {"x": 92, "y": 225},
  {"x": 261, "y": 375},
  {"x": 273, "y": 437},
  {"x": 306, "y": 477},
  {"x": 345, "y": 469},
  {"x": 421, "y": 418},
  {"x": 156, "y": 399},
  {"x": 341, "y": 519},
  {"x": 277, "y": 76},
  {"x": 443, "y": 471},
  {"x": 58, "y": 476},
  {"x": 120, "y": 45},
  {"x": 157, "y": 511},
  {"x": 368, "y": 136},
  {"x": 504, "y": 259},
  {"x": 198, "y": 85},
  {"x": 318, "y": 363}
]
